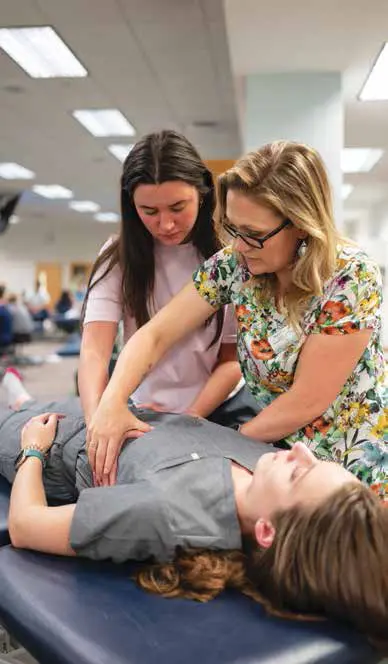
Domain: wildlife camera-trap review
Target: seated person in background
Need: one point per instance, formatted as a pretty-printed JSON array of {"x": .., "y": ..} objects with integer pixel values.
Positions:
[
  {"x": 6, "y": 333},
  {"x": 207, "y": 508},
  {"x": 37, "y": 302},
  {"x": 65, "y": 302},
  {"x": 22, "y": 323}
]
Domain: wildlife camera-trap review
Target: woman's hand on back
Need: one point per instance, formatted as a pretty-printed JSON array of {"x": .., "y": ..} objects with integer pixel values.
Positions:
[{"x": 110, "y": 426}]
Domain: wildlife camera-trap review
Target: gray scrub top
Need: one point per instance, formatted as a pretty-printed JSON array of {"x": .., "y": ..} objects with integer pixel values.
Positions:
[
  {"x": 174, "y": 488},
  {"x": 174, "y": 484}
]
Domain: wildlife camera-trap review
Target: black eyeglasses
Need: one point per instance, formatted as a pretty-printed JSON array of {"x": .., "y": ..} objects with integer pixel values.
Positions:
[{"x": 252, "y": 240}]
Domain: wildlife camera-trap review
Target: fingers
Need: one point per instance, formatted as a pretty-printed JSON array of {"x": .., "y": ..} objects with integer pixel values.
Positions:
[
  {"x": 44, "y": 418},
  {"x": 99, "y": 458},
  {"x": 113, "y": 473},
  {"x": 138, "y": 425},
  {"x": 91, "y": 448}
]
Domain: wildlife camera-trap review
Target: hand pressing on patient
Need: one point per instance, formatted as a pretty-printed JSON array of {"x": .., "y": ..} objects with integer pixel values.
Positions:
[
  {"x": 109, "y": 428},
  {"x": 39, "y": 432}
]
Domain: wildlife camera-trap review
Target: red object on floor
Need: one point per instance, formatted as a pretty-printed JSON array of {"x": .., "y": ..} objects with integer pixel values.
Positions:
[{"x": 14, "y": 371}]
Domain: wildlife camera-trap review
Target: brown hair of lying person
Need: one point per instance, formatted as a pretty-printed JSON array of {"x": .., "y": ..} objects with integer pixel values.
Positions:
[{"x": 326, "y": 562}]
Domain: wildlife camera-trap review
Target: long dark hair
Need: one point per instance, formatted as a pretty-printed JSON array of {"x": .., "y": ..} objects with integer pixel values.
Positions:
[{"x": 156, "y": 158}]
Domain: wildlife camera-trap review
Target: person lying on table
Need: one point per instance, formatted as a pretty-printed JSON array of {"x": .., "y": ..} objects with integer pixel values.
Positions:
[{"x": 207, "y": 508}]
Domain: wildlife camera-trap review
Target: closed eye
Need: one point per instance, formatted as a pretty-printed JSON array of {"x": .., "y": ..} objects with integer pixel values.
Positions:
[{"x": 296, "y": 473}]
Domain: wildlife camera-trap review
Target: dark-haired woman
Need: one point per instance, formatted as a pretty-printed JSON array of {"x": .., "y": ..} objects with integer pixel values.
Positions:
[{"x": 167, "y": 205}]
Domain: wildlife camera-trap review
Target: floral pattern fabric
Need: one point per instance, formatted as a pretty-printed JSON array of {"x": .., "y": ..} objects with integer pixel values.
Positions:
[{"x": 354, "y": 429}]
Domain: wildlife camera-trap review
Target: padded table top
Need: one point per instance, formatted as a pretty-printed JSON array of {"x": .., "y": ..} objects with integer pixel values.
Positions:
[
  {"x": 72, "y": 611},
  {"x": 4, "y": 505}
]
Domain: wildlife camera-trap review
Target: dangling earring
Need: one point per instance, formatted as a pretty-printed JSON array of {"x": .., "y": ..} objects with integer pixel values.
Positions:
[{"x": 302, "y": 248}]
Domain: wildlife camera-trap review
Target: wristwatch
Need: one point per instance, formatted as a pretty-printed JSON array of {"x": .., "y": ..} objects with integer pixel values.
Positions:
[{"x": 30, "y": 452}]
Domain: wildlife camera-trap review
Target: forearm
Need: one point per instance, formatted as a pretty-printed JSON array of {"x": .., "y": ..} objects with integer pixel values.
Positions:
[
  {"x": 222, "y": 381},
  {"x": 136, "y": 360},
  {"x": 93, "y": 377},
  {"x": 285, "y": 415},
  {"x": 27, "y": 494}
]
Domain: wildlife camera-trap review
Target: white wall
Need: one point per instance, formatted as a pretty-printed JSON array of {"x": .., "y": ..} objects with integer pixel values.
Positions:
[
  {"x": 305, "y": 107},
  {"x": 26, "y": 243}
]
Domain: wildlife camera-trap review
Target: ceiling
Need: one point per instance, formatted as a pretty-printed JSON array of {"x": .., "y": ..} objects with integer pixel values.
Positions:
[
  {"x": 163, "y": 63},
  {"x": 311, "y": 35},
  {"x": 175, "y": 63}
]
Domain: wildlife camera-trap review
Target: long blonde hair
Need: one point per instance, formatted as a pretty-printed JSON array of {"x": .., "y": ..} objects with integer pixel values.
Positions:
[
  {"x": 327, "y": 562},
  {"x": 291, "y": 180}
]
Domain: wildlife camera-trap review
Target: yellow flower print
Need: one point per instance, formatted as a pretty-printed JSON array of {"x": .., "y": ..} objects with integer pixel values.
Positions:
[
  {"x": 353, "y": 416},
  {"x": 370, "y": 303},
  {"x": 207, "y": 291},
  {"x": 341, "y": 263},
  {"x": 381, "y": 428}
]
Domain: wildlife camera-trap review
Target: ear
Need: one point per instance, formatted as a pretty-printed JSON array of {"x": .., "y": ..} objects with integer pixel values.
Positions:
[{"x": 264, "y": 533}]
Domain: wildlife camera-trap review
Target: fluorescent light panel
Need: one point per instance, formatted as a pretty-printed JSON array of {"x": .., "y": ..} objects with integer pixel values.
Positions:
[
  {"x": 346, "y": 191},
  {"x": 105, "y": 122},
  {"x": 107, "y": 217},
  {"x": 121, "y": 152},
  {"x": 84, "y": 206},
  {"x": 12, "y": 171},
  {"x": 376, "y": 86},
  {"x": 41, "y": 52},
  {"x": 52, "y": 191},
  {"x": 359, "y": 160}
]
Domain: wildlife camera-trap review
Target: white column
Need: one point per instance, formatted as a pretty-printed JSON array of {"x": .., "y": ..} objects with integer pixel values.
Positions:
[{"x": 303, "y": 107}]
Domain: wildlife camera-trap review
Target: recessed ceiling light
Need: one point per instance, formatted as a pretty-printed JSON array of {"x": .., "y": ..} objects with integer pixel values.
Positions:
[
  {"x": 84, "y": 206},
  {"x": 121, "y": 152},
  {"x": 346, "y": 190},
  {"x": 359, "y": 160},
  {"x": 376, "y": 86},
  {"x": 52, "y": 191},
  {"x": 11, "y": 171},
  {"x": 40, "y": 52},
  {"x": 107, "y": 217},
  {"x": 14, "y": 219},
  {"x": 105, "y": 122}
]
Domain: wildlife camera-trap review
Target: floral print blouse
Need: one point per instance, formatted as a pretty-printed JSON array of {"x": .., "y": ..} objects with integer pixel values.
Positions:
[{"x": 354, "y": 429}]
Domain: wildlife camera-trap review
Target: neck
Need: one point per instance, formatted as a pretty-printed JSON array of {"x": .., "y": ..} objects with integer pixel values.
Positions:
[
  {"x": 242, "y": 479},
  {"x": 284, "y": 279}
]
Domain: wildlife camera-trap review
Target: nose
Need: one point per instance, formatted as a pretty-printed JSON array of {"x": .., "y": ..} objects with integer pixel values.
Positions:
[
  {"x": 301, "y": 454},
  {"x": 240, "y": 245},
  {"x": 166, "y": 222}
]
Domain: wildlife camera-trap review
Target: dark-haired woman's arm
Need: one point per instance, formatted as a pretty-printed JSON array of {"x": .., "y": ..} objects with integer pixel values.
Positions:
[
  {"x": 224, "y": 378},
  {"x": 93, "y": 373}
]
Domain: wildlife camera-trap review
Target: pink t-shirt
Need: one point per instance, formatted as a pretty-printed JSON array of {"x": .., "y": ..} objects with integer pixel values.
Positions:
[{"x": 182, "y": 373}]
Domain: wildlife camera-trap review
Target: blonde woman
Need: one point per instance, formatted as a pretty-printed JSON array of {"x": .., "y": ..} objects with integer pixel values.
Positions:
[{"x": 308, "y": 306}]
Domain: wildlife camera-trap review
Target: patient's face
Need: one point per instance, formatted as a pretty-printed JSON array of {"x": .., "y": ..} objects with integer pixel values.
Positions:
[{"x": 286, "y": 478}]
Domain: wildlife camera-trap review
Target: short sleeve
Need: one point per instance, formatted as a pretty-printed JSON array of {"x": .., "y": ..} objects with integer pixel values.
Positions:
[
  {"x": 123, "y": 522},
  {"x": 229, "y": 330},
  {"x": 354, "y": 299},
  {"x": 214, "y": 279},
  {"x": 104, "y": 299}
]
